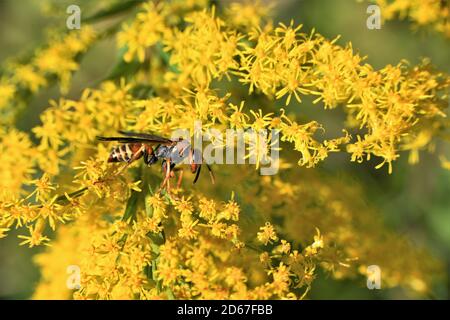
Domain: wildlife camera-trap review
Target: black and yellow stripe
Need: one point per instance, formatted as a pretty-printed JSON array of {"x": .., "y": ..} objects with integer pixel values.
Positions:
[{"x": 121, "y": 153}]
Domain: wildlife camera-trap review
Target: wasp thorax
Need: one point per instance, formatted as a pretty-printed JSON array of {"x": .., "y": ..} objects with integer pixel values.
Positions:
[{"x": 162, "y": 152}]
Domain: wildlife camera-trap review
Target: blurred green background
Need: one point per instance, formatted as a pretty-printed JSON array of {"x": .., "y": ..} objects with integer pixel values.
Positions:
[{"x": 414, "y": 199}]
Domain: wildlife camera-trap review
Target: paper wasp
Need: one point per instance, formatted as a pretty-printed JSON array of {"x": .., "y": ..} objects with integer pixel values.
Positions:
[{"x": 152, "y": 148}]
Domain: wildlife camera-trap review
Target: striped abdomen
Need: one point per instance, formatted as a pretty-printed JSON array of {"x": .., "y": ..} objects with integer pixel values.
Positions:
[{"x": 129, "y": 151}]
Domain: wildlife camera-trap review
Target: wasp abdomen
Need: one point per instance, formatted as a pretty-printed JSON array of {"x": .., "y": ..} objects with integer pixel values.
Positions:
[{"x": 125, "y": 152}]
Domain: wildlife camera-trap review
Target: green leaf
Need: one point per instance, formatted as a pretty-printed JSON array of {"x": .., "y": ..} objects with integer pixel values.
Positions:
[
  {"x": 170, "y": 294},
  {"x": 117, "y": 8},
  {"x": 132, "y": 204},
  {"x": 165, "y": 56},
  {"x": 158, "y": 240},
  {"x": 158, "y": 283},
  {"x": 142, "y": 91},
  {"x": 122, "y": 68}
]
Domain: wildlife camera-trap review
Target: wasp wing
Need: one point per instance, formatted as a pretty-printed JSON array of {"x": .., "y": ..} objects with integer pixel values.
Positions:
[
  {"x": 149, "y": 136},
  {"x": 132, "y": 139}
]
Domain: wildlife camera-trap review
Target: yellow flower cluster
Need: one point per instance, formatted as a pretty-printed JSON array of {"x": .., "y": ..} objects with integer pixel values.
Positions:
[
  {"x": 387, "y": 104},
  {"x": 145, "y": 258},
  {"x": 434, "y": 13},
  {"x": 271, "y": 236},
  {"x": 394, "y": 109},
  {"x": 352, "y": 234},
  {"x": 57, "y": 60},
  {"x": 16, "y": 154}
]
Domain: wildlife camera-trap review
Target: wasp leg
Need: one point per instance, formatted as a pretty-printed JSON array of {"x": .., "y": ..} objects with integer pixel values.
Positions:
[
  {"x": 180, "y": 178},
  {"x": 167, "y": 175},
  {"x": 135, "y": 156},
  {"x": 192, "y": 162}
]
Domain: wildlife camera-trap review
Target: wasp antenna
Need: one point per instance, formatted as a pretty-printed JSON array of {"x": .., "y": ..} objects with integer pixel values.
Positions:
[
  {"x": 197, "y": 174},
  {"x": 211, "y": 174}
]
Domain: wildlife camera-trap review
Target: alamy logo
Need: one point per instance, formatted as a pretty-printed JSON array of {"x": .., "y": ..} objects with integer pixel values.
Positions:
[
  {"x": 236, "y": 146},
  {"x": 74, "y": 280},
  {"x": 374, "y": 20},
  {"x": 73, "y": 21},
  {"x": 373, "y": 277}
]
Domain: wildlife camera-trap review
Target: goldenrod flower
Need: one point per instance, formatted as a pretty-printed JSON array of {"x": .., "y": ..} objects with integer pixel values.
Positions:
[
  {"x": 129, "y": 239},
  {"x": 267, "y": 234}
]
